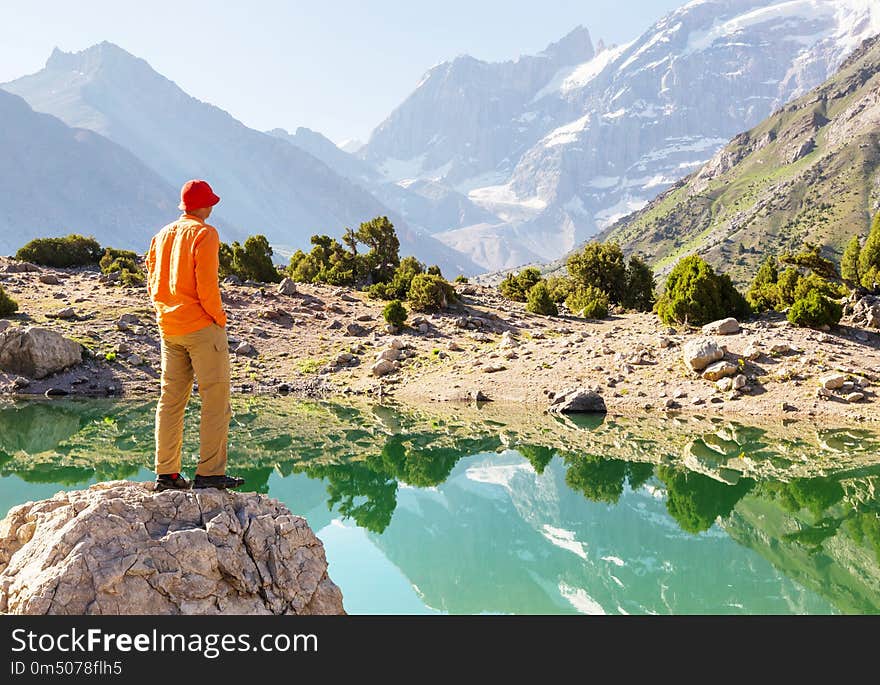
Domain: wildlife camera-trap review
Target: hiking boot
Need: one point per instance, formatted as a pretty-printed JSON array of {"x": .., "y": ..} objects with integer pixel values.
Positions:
[
  {"x": 220, "y": 482},
  {"x": 171, "y": 481}
]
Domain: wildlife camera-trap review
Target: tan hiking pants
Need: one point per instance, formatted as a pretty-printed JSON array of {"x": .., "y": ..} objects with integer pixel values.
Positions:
[{"x": 204, "y": 353}]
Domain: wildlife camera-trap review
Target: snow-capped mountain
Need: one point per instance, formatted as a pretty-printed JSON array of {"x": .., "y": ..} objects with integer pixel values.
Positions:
[
  {"x": 268, "y": 185},
  {"x": 561, "y": 145}
]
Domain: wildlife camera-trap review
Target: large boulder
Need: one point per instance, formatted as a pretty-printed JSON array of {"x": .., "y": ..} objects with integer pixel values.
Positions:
[
  {"x": 120, "y": 548},
  {"x": 699, "y": 353},
  {"x": 578, "y": 401},
  {"x": 37, "y": 352}
]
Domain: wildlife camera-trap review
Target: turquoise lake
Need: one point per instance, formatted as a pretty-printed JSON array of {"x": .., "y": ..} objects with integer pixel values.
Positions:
[{"x": 470, "y": 510}]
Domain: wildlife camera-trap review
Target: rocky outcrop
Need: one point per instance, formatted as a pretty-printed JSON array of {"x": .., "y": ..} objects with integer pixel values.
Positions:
[
  {"x": 864, "y": 311},
  {"x": 120, "y": 548},
  {"x": 37, "y": 352}
]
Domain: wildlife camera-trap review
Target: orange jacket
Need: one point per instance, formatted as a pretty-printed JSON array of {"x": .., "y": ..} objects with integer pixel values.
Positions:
[{"x": 183, "y": 281}]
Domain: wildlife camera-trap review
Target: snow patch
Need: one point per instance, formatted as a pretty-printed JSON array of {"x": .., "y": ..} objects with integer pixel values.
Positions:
[
  {"x": 566, "y": 134},
  {"x": 580, "y": 600},
  {"x": 564, "y": 539}
]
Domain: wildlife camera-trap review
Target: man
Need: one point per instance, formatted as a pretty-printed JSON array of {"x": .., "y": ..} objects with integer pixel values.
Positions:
[{"x": 183, "y": 281}]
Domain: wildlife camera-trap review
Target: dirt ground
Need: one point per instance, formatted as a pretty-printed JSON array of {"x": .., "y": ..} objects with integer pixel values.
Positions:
[{"x": 324, "y": 341}]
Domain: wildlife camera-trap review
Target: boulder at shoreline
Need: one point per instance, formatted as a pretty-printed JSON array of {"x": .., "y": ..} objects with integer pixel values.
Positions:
[{"x": 118, "y": 548}]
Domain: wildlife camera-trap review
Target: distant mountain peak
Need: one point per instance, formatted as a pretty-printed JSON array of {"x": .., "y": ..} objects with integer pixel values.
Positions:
[{"x": 575, "y": 46}]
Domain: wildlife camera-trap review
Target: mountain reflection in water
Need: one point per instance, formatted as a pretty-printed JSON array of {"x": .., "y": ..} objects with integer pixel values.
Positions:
[{"x": 497, "y": 510}]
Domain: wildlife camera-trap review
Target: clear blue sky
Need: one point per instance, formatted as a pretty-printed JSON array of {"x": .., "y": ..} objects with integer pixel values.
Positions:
[{"x": 337, "y": 66}]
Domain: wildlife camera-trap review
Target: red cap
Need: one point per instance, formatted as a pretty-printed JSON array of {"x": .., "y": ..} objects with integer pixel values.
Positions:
[{"x": 196, "y": 194}]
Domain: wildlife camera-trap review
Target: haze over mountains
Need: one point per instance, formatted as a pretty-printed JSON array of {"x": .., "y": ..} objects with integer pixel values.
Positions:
[
  {"x": 268, "y": 185},
  {"x": 484, "y": 166},
  {"x": 54, "y": 178}
]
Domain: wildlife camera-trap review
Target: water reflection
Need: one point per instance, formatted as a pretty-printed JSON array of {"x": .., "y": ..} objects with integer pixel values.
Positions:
[{"x": 503, "y": 511}]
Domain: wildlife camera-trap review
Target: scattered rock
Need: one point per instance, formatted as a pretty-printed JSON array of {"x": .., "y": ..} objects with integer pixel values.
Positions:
[
  {"x": 355, "y": 330},
  {"x": 122, "y": 348},
  {"x": 700, "y": 353},
  {"x": 727, "y": 326},
  {"x": 494, "y": 368},
  {"x": 752, "y": 352},
  {"x": 578, "y": 401},
  {"x": 391, "y": 329},
  {"x": 259, "y": 332},
  {"x": 17, "y": 267},
  {"x": 391, "y": 354},
  {"x": 663, "y": 342},
  {"x": 423, "y": 328},
  {"x": 855, "y": 397},
  {"x": 135, "y": 360},
  {"x": 833, "y": 382},
  {"x": 244, "y": 349},
  {"x": 740, "y": 382},
  {"x": 50, "y": 279},
  {"x": 198, "y": 552},
  {"x": 56, "y": 392},
  {"x": 781, "y": 348},
  {"x": 863, "y": 310},
  {"x": 720, "y": 370},
  {"x": 334, "y": 325},
  {"x": 453, "y": 346},
  {"x": 66, "y": 313},
  {"x": 383, "y": 367},
  {"x": 287, "y": 287},
  {"x": 37, "y": 352},
  {"x": 725, "y": 384}
]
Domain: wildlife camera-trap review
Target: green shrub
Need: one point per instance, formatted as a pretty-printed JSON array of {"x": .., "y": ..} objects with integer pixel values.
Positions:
[
  {"x": 810, "y": 282},
  {"x": 600, "y": 265},
  {"x": 461, "y": 279},
  {"x": 696, "y": 295},
  {"x": 559, "y": 287},
  {"x": 398, "y": 287},
  {"x": 811, "y": 259},
  {"x": 815, "y": 311},
  {"x": 516, "y": 287},
  {"x": 434, "y": 270},
  {"x": 540, "y": 302},
  {"x": 869, "y": 257},
  {"x": 7, "y": 304},
  {"x": 383, "y": 257},
  {"x": 587, "y": 301},
  {"x": 639, "y": 292},
  {"x": 430, "y": 293},
  {"x": 763, "y": 293},
  {"x": 849, "y": 263},
  {"x": 73, "y": 250},
  {"x": 126, "y": 263},
  {"x": 395, "y": 313}
]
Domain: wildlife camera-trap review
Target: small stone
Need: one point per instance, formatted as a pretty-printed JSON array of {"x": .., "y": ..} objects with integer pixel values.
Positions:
[
  {"x": 720, "y": 370},
  {"x": 855, "y": 397},
  {"x": 833, "y": 382},
  {"x": 244, "y": 349},
  {"x": 66, "y": 313},
  {"x": 334, "y": 325},
  {"x": 56, "y": 392},
  {"x": 727, "y": 326},
  {"x": 122, "y": 348},
  {"x": 494, "y": 368},
  {"x": 355, "y": 329},
  {"x": 50, "y": 279},
  {"x": 663, "y": 343},
  {"x": 670, "y": 403},
  {"x": 287, "y": 287},
  {"x": 752, "y": 352},
  {"x": 781, "y": 348},
  {"x": 135, "y": 360},
  {"x": 740, "y": 382},
  {"x": 398, "y": 344},
  {"x": 21, "y": 382},
  {"x": 423, "y": 328},
  {"x": 391, "y": 329},
  {"x": 453, "y": 346},
  {"x": 259, "y": 332},
  {"x": 700, "y": 353},
  {"x": 577, "y": 401},
  {"x": 786, "y": 407},
  {"x": 824, "y": 393},
  {"x": 383, "y": 367},
  {"x": 725, "y": 384},
  {"x": 389, "y": 354}
]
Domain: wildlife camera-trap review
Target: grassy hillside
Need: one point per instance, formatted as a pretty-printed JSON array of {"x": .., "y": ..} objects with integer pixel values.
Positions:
[{"x": 809, "y": 172}]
